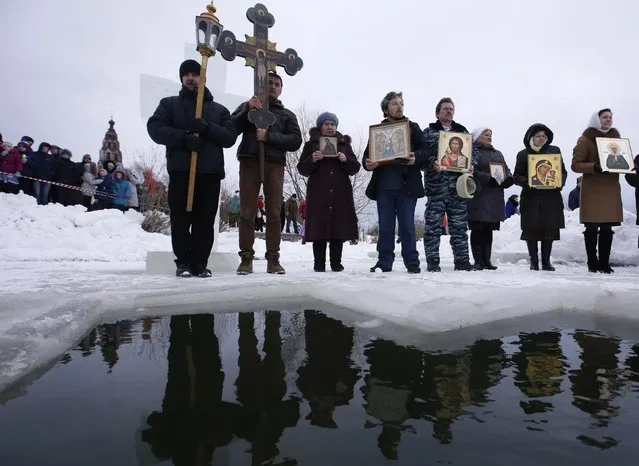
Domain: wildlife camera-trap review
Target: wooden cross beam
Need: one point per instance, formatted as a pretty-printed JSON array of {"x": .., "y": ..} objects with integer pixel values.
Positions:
[{"x": 262, "y": 56}]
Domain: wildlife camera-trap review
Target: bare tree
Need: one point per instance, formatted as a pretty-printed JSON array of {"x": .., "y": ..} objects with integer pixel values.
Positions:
[
  {"x": 360, "y": 181},
  {"x": 293, "y": 181}
]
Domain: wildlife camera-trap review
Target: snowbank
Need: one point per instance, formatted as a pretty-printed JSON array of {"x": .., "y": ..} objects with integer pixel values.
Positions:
[{"x": 30, "y": 232}]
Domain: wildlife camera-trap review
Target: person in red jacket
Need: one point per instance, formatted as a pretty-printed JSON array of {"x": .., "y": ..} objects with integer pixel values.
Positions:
[{"x": 10, "y": 168}]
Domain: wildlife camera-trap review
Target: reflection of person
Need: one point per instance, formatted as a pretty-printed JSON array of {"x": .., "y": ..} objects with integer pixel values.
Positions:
[
  {"x": 174, "y": 125},
  {"x": 453, "y": 156},
  {"x": 329, "y": 148},
  {"x": 486, "y": 210},
  {"x": 396, "y": 186},
  {"x": 541, "y": 210},
  {"x": 600, "y": 207},
  {"x": 615, "y": 160}
]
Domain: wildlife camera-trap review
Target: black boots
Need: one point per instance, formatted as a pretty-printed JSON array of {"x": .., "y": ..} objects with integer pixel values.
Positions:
[
  {"x": 533, "y": 252},
  {"x": 546, "y": 249},
  {"x": 319, "y": 256},
  {"x": 590, "y": 240},
  {"x": 601, "y": 263},
  {"x": 605, "y": 245},
  {"x": 476, "y": 249},
  {"x": 481, "y": 246},
  {"x": 335, "y": 255},
  {"x": 488, "y": 250}
]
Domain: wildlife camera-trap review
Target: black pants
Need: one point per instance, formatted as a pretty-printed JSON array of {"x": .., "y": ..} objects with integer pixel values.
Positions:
[
  {"x": 65, "y": 196},
  {"x": 192, "y": 232}
]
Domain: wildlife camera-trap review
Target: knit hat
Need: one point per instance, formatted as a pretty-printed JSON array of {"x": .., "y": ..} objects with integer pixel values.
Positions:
[
  {"x": 477, "y": 132},
  {"x": 23, "y": 143},
  {"x": 189, "y": 66},
  {"x": 326, "y": 116},
  {"x": 466, "y": 186},
  {"x": 67, "y": 152}
]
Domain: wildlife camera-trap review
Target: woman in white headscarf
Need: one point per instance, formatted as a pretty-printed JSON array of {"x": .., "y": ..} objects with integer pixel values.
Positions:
[
  {"x": 600, "y": 204},
  {"x": 486, "y": 208}
]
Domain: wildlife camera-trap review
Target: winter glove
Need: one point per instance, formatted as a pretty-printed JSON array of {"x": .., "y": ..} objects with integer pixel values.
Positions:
[
  {"x": 597, "y": 168},
  {"x": 200, "y": 126},
  {"x": 492, "y": 183},
  {"x": 508, "y": 182},
  {"x": 193, "y": 143}
]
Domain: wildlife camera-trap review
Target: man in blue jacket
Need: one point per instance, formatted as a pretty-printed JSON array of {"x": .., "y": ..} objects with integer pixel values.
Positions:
[{"x": 174, "y": 125}]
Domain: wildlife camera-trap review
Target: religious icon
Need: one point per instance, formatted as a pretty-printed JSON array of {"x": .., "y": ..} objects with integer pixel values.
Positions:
[
  {"x": 544, "y": 171},
  {"x": 455, "y": 151},
  {"x": 328, "y": 146},
  {"x": 497, "y": 171},
  {"x": 615, "y": 155},
  {"x": 389, "y": 141}
]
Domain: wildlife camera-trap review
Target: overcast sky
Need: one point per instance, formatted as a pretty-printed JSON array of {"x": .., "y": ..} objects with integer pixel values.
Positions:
[{"x": 68, "y": 65}]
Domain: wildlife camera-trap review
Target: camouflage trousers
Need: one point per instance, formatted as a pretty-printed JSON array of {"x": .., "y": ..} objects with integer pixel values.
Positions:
[{"x": 456, "y": 210}]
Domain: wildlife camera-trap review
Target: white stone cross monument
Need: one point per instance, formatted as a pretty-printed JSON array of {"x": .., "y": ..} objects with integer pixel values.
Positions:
[{"x": 152, "y": 90}]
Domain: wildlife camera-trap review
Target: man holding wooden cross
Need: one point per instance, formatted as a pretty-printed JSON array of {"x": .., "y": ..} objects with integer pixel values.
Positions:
[
  {"x": 174, "y": 125},
  {"x": 279, "y": 138}
]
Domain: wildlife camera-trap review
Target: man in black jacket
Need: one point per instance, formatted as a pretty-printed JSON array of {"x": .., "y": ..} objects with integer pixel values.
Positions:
[
  {"x": 174, "y": 125},
  {"x": 282, "y": 137}
]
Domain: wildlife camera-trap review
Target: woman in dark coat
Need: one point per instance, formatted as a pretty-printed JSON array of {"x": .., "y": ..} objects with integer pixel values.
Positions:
[
  {"x": 330, "y": 209},
  {"x": 541, "y": 210},
  {"x": 486, "y": 208}
]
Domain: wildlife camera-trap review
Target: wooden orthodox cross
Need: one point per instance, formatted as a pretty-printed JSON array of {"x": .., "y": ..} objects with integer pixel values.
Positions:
[{"x": 262, "y": 56}]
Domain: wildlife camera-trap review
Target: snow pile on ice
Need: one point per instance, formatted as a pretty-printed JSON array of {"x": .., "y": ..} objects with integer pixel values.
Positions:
[{"x": 30, "y": 232}]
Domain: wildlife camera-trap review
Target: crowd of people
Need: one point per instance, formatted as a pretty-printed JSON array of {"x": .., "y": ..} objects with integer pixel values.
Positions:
[
  {"x": 457, "y": 200},
  {"x": 50, "y": 175}
]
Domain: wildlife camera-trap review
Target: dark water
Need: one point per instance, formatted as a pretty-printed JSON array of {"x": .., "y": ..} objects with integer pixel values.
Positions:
[{"x": 304, "y": 388}]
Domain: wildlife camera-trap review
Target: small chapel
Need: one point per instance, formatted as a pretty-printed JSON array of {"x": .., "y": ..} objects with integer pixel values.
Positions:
[{"x": 110, "y": 145}]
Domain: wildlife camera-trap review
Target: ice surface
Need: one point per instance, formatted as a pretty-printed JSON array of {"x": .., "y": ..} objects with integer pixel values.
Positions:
[{"x": 66, "y": 270}]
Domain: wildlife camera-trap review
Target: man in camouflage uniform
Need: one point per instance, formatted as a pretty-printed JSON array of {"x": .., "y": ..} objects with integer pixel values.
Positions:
[{"x": 441, "y": 189}]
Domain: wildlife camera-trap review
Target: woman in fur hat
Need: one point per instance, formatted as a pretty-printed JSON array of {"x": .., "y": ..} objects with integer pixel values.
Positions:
[
  {"x": 330, "y": 208},
  {"x": 600, "y": 206},
  {"x": 541, "y": 210}
]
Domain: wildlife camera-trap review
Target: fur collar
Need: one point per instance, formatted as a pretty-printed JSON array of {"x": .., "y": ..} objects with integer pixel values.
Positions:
[
  {"x": 454, "y": 126},
  {"x": 315, "y": 133},
  {"x": 592, "y": 133}
]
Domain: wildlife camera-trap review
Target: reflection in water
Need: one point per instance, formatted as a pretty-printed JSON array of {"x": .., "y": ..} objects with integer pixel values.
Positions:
[
  {"x": 540, "y": 366},
  {"x": 405, "y": 392},
  {"x": 328, "y": 376},
  {"x": 193, "y": 420}
]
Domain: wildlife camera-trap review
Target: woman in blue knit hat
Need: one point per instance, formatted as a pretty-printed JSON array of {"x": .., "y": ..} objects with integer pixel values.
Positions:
[{"x": 330, "y": 209}]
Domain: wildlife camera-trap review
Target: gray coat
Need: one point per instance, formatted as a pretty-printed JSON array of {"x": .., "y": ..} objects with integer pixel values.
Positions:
[{"x": 488, "y": 203}]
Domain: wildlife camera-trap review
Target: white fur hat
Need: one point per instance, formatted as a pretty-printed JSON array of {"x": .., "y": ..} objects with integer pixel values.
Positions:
[{"x": 466, "y": 186}]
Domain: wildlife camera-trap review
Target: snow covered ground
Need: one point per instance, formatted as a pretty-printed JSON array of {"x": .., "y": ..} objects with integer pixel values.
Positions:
[{"x": 65, "y": 270}]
